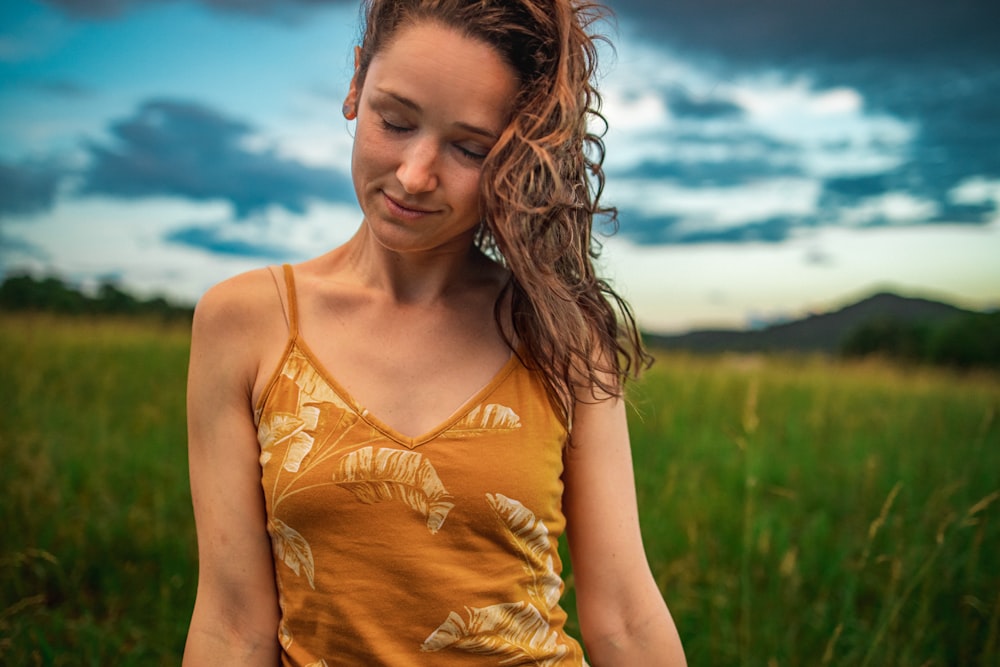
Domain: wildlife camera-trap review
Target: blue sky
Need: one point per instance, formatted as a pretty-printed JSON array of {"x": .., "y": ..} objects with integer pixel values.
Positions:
[{"x": 768, "y": 159}]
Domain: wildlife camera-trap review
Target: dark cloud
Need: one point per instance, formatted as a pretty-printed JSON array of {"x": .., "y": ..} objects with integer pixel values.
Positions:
[
  {"x": 967, "y": 214},
  {"x": 27, "y": 188},
  {"x": 678, "y": 230},
  {"x": 932, "y": 65},
  {"x": 716, "y": 174},
  {"x": 183, "y": 149},
  {"x": 848, "y": 190},
  {"x": 282, "y": 9},
  {"x": 215, "y": 240},
  {"x": 14, "y": 251},
  {"x": 684, "y": 104},
  {"x": 784, "y": 31},
  {"x": 95, "y": 8},
  {"x": 648, "y": 229},
  {"x": 65, "y": 88},
  {"x": 954, "y": 108}
]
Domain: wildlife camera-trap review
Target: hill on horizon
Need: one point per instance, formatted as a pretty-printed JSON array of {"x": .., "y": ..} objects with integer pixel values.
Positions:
[{"x": 822, "y": 332}]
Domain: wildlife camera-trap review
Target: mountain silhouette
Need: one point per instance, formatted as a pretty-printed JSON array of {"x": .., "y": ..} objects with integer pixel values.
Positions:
[{"x": 823, "y": 332}]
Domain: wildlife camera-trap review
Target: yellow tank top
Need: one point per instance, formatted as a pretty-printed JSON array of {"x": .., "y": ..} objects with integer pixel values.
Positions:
[{"x": 395, "y": 551}]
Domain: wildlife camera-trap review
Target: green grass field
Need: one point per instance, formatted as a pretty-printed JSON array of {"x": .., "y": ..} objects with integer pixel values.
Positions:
[{"x": 796, "y": 511}]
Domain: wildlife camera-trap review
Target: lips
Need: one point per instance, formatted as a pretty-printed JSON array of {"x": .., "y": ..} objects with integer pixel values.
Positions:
[{"x": 402, "y": 210}]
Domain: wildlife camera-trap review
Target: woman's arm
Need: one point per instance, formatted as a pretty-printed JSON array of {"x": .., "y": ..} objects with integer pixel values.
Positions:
[
  {"x": 623, "y": 618},
  {"x": 235, "y": 619}
]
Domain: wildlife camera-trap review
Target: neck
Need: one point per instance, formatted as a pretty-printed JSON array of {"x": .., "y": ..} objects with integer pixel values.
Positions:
[{"x": 418, "y": 277}]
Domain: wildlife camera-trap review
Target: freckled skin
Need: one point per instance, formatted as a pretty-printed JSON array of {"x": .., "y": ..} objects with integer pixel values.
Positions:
[{"x": 431, "y": 107}]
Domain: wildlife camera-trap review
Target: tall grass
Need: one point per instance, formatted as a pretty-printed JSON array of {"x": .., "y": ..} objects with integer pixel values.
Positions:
[
  {"x": 97, "y": 556},
  {"x": 804, "y": 512},
  {"x": 795, "y": 511}
]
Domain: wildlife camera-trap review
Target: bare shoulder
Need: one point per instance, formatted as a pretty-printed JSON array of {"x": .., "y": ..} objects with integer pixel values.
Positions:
[
  {"x": 238, "y": 327},
  {"x": 238, "y": 303}
]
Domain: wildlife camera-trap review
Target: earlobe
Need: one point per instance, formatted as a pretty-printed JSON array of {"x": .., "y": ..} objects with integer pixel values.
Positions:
[{"x": 350, "y": 108}]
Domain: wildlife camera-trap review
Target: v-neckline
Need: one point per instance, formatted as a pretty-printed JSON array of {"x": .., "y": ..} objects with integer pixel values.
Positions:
[{"x": 410, "y": 442}]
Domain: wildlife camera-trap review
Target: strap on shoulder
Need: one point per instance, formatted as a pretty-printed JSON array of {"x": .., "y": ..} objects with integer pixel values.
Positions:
[{"x": 293, "y": 306}]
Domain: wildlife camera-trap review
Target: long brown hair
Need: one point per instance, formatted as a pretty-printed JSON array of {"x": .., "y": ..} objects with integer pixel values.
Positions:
[{"x": 541, "y": 187}]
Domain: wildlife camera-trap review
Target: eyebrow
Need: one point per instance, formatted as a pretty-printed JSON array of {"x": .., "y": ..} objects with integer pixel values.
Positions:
[{"x": 468, "y": 127}]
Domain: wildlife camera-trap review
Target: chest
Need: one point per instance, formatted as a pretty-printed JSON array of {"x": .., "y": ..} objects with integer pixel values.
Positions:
[{"x": 412, "y": 369}]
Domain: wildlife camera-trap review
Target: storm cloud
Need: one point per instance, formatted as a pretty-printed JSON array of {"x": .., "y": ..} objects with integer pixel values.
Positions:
[
  {"x": 282, "y": 9},
  {"x": 183, "y": 149},
  {"x": 219, "y": 240},
  {"x": 792, "y": 32},
  {"x": 28, "y": 188}
]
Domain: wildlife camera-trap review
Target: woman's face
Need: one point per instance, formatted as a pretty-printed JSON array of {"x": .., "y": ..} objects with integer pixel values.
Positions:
[{"x": 432, "y": 105}]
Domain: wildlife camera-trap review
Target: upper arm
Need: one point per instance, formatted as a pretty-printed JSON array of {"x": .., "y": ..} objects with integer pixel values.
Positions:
[
  {"x": 622, "y": 614},
  {"x": 236, "y": 608},
  {"x": 601, "y": 511}
]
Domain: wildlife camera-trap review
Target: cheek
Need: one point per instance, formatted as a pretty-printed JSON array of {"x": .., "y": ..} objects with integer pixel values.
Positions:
[
  {"x": 468, "y": 185},
  {"x": 369, "y": 151}
]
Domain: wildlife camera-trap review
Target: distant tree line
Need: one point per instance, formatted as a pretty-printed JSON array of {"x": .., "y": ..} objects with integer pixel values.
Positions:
[
  {"x": 24, "y": 293},
  {"x": 966, "y": 341}
]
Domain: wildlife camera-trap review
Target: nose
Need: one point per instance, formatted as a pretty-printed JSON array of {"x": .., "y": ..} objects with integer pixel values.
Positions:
[{"x": 417, "y": 169}]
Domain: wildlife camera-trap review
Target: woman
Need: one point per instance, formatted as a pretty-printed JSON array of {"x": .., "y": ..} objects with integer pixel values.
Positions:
[{"x": 387, "y": 441}]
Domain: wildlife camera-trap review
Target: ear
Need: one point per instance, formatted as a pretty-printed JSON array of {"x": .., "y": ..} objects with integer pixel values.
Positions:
[{"x": 351, "y": 101}]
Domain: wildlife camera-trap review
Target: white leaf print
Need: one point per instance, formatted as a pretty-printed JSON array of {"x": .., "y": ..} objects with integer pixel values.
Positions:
[
  {"x": 300, "y": 370},
  {"x": 284, "y": 427},
  {"x": 531, "y": 537},
  {"x": 292, "y": 549},
  {"x": 391, "y": 474},
  {"x": 279, "y": 428},
  {"x": 300, "y": 445},
  {"x": 284, "y": 636},
  {"x": 489, "y": 417},
  {"x": 513, "y": 630}
]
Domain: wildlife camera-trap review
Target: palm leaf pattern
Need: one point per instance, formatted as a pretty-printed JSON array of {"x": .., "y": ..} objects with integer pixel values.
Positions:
[
  {"x": 299, "y": 369},
  {"x": 279, "y": 428},
  {"x": 375, "y": 476},
  {"x": 292, "y": 549},
  {"x": 515, "y": 630},
  {"x": 284, "y": 635},
  {"x": 488, "y": 417},
  {"x": 291, "y": 435},
  {"x": 531, "y": 538}
]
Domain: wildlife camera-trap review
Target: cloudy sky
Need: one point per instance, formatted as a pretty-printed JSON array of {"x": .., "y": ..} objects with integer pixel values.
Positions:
[{"x": 768, "y": 158}]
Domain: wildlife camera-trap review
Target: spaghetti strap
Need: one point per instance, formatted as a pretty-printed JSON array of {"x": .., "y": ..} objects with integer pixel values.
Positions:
[{"x": 293, "y": 306}]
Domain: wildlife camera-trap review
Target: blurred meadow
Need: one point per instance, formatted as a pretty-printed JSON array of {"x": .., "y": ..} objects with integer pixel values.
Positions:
[{"x": 796, "y": 510}]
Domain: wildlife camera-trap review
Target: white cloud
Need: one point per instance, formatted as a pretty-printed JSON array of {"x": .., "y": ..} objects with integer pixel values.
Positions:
[
  {"x": 717, "y": 207},
  {"x": 85, "y": 239},
  {"x": 976, "y": 190},
  {"x": 893, "y": 208},
  {"x": 830, "y": 130}
]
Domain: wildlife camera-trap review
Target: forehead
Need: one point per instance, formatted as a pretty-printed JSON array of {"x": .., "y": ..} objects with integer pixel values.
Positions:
[{"x": 435, "y": 65}]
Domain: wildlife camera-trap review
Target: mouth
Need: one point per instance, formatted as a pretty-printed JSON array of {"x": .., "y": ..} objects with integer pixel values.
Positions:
[{"x": 404, "y": 210}]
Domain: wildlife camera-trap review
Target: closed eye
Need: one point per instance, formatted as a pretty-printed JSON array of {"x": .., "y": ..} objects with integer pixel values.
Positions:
[
  {"x": 472, "y": 155},
  {"x": 398, "y": 129}
]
